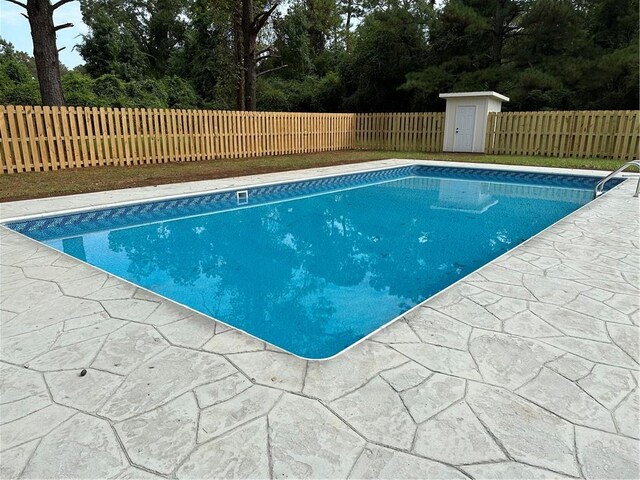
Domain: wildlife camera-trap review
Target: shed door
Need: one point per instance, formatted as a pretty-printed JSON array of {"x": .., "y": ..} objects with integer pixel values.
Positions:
[{"x": 465, "y": 125}]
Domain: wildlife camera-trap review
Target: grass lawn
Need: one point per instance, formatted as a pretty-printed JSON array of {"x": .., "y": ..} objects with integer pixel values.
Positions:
[{"x": 65, "y": 182}]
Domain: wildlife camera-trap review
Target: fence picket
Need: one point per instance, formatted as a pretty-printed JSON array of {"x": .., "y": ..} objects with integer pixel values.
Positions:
[
  {"x": 41, "y": 139},
  {"x": 51, "y": 147},
  {"x": 85, "y": 158},
  {"x": 36, "y": 159},
  {"x": 22, "y": 132},
  {"x": 8, "y": 164}
]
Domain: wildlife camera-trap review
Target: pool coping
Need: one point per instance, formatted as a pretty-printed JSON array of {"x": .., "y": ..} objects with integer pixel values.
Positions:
[
  {"x": 404, "y": 163},
  {"x": 521, "y": 403}
]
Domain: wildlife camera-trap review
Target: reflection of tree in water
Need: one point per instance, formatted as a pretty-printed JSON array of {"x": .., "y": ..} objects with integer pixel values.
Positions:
[{"x": 284, "y": 260}]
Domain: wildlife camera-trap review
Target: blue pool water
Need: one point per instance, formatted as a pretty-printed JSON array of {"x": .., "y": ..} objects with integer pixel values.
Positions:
[{"x": 313, "y": 267}]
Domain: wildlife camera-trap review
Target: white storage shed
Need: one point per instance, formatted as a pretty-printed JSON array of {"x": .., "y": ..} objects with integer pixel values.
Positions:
[{"x": 465, "y": 125}]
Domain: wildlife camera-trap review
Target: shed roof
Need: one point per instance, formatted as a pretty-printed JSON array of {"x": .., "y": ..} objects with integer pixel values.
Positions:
[{"x": 474, "y": 94}]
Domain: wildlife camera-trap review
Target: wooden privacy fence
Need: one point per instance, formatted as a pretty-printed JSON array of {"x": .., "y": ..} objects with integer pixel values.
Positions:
[
  {"x": 421, "y": 132},
  {"x": 605, "y": 134},
  {"x": 55, "y": 138}
]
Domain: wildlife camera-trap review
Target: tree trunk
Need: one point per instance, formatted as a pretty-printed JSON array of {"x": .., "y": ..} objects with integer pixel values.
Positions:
[
  {"x": 503, "y": 27},
  {"x": 250, "y": 26},
  {"x": 249, "y": 37},
  {"x": 239, "y": 59},
  {"x": 45, "y": 51},
  {"x": 250, "y": 75},
  {"x": 497, "y": 34},
  {"x": 347, "y": 28}
]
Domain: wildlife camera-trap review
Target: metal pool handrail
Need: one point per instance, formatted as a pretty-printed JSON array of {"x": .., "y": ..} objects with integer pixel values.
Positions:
[{"x": 600, "y": 185}]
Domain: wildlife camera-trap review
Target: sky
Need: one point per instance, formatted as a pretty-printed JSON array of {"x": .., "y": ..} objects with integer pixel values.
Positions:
[{"x": 15, "y": 29}]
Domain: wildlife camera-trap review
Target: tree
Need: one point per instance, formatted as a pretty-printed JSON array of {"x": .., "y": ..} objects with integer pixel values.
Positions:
[
  {"x": 613, "y": 23},
  {"x": 307, "y": 38},
  {"x": 350, "y": 9},
  {"x": 251, "y": 23},
  {"x": 111, "y": 47},
  {"x": 133, "y": 38},
  {"x": 324, "y": 22},
  {"x": 292, "y": 45},
  {"x": 166, "y": 28},
  {"x": 206, "y": 58},
  {"x": 389, "y": 44},
  {"x": 79, "y": 89},
  {"x": 45, "y": 51},
  {"x": 18, "y": 84},
  {"x": 474, "y": 45}
]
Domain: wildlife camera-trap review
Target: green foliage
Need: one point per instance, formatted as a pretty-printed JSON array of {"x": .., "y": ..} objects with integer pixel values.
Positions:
[
  {"x": 180, "y": 94},
  {"x": 537, "y": 90},
  {"x": 324, "y": 19},
  {"x": 18, "y": 84},
  {"x": 293, "y": 43},
  {"x": 553, "y": 28},
  {"x": 613, "y": 23},
  {"x": 26, "y": 93},
  {"x": 389, "y": 45},
  {"x": 111, "y": 48},
  {"x": 110, "y": 91},
  {"x": 274, "y": 94},
  {"x": 79, "y": 89},
  {"x": 206, "y": 57},
  {"x": 611, "y": 81},
  {"x": 310, "y": 94},
  {"x": 147, "y": 93},
  {"x": 544, "y": 54}
]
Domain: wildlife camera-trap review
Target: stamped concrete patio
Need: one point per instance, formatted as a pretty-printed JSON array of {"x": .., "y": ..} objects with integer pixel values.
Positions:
[{"x": 527, "y": 368}]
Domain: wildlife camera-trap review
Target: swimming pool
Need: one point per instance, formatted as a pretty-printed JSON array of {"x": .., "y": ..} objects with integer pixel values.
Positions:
[{"x": 315, "y": 266}]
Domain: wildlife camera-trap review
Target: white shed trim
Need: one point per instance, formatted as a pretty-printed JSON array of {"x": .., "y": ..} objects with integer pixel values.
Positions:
[{"x": 475, "y": 94}]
